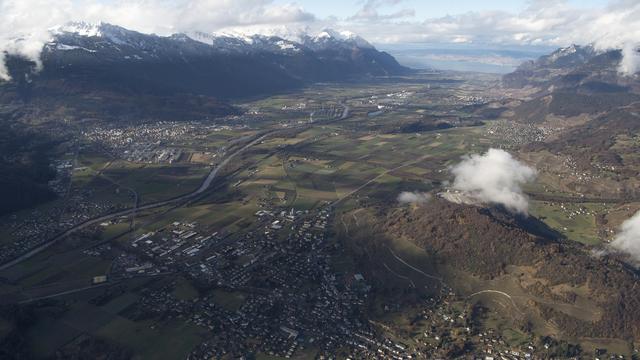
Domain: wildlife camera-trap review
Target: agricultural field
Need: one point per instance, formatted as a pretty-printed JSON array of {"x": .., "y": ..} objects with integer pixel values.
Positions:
[{"x": 294, "y": 168}]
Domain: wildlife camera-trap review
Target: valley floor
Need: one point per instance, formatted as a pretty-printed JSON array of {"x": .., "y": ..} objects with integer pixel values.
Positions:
[{"x": 279, "y": 255}]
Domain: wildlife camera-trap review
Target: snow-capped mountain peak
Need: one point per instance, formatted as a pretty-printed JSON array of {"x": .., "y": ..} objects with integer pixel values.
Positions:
[
  {"x": 116, "y": 34},
  {"x": 216, "y": 64},
  {"x": 328, "y": 38},
  {"x": 239, "y": 42},
  {"x": 80, "y": 28},
  {"x": 279, "y": 40},
  {"x": 338, "y": 35},
  {"x": 568, "y": 56}
]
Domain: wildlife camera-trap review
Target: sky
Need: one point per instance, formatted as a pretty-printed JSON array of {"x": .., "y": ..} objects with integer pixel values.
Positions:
[
  {"x": 424, "y": 9},
  {"x": 25, "y": 25}
]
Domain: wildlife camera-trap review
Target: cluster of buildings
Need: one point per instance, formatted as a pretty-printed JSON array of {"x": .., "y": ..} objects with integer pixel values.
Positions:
[
  {"x": 28, "y": 231},
  {"x": 445, "y": 98},
  {"x": 64, "y": 171},
  {"x": 151, "y": 143},
  {"x": 151, "y": 153},
  {"x": 314, "y": 113},
  {"x": 386, "y": 102},
  {"x": 465, "y": 99},
  {"x": 451, "y": 331},
  {"x": 297, "y": 107},
  {"x": 325, "y": 113},
  {"x": 272, "y": 289},
  {"x": 288, "y": 297},
  {"x": 32, "y": 229},
  {"x": 515, "y": 134},
  {"x": 285, "y": 298},
  {"x": 177, "y": 245},
  {"x": 128, "y": 265},
  {"x": 81, "y": 206},
  {"x": 390, "y": 100},
  {"x": 580, "y": 175},
  {"x": 572, "y": 211}
]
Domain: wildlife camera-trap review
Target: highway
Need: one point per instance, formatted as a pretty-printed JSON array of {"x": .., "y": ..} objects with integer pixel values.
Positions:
[{"x": 213, "y": 174}]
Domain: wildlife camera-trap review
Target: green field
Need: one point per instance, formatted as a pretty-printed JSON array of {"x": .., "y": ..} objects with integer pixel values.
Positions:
[
  {"x": 572, "y": 221},
  {"x": 151, "y": 340},
  {"x": 356, "y": 164}
]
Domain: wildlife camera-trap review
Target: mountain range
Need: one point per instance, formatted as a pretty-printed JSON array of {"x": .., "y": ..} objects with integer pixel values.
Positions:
[
  {"x": 581, "y": 93},
  {"x": 581, "y": 69},
  {"x": 84, "y": 57},
  {"x": 108, "y": 73},
  {"x": 592, "y": 111}
]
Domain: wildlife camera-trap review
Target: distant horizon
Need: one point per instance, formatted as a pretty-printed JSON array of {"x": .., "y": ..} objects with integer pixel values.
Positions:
[{"x": 456, "y": 57}]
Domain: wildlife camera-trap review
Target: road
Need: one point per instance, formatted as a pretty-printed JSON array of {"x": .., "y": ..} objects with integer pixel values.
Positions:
[
  {"x": 499, "y": 293},
  {"x": 205, "y": 185},
  {"x": 413, "y": 267},
  {"x": 413, "y": 285},
  {"x": 378, "y": 177},
  {"x": 91, "y": 287},
  {"x": 579, "y": 200},
  {"x": 213, "y": 174}
]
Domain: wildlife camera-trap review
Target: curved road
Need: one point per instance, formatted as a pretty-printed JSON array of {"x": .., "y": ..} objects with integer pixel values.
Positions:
[
  {"x": 205, "y": 185},
  {"x": 213, "y": 174},
  {"x": 413, "y": 267},
  {"x": 499, "y": 293},
  {"x": 413, "y": 285}
]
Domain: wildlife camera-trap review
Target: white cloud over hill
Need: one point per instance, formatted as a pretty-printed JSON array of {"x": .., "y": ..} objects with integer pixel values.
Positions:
[
  {"x": 407, "y": 197},
  {"x": 628, "y": 239},
  {"x": 495, "y": 177}
]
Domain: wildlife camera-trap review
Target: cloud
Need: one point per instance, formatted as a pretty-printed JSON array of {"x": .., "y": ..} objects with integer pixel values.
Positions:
[
  {"x": 542, "y": 23},
  {"x": 369, "y": 11},
  {"x": 407, "y": 197},
  {"x": 25, "y": 24},
  {"x": 24, "y": 27},
  {"x": 628, "y": 239},
  {"x": 630, "y": 63},
  {"x": 495, "y": 177}
]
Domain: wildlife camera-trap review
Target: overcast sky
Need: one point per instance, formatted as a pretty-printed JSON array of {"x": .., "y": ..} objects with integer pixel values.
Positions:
[
  {"x": 423, "y": 9},
  {"x": 520, "y": 22}
]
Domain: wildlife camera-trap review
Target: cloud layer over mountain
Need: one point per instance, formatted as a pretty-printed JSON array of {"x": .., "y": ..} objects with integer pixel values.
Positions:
[
  {"x": 495, "y": 177},
  {"x": 25, "y": 24}
]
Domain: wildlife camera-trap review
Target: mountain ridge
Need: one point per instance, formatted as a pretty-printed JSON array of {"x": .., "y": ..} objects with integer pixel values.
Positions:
[
  {"x": 104, "y": 56},
  {"x": 571, "y": 68}
]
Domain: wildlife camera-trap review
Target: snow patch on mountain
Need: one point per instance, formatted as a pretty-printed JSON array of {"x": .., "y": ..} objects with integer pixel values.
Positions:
[
  {"x": 341, "y": 36},
  {"x": 284, "y": 45},
  {"x": 112, "y": 40},
  {"x": 287, "y": 38},
  {"x": 80, "y": 28},
  {"x": 65, "y": 47}
]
